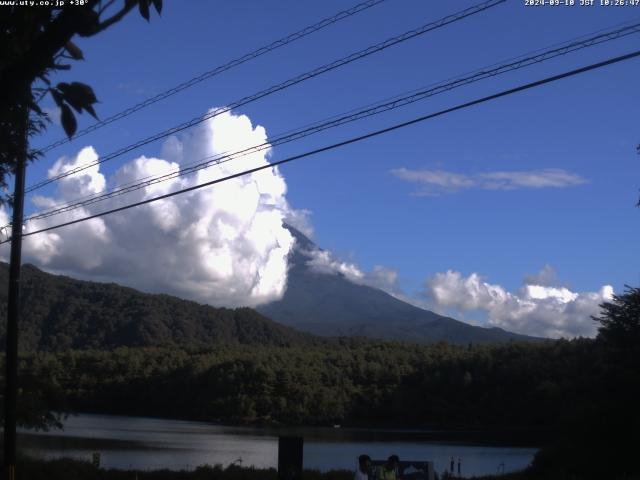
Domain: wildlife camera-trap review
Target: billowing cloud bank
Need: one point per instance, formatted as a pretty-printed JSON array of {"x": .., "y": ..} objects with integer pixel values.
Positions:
[
  {"x": 538, "y": 308},
  {"x": 222, "y": 245}
]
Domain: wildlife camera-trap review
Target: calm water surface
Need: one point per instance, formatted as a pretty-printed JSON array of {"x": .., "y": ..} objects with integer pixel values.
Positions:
[{"x": 152, "y": 443}]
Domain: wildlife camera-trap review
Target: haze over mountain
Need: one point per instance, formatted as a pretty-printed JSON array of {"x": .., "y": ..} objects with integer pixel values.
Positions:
[{"x": 330, "y": 304}]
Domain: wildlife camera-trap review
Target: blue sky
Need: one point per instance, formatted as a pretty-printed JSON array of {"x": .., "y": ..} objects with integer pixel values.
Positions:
[{"x": 587, "y": 127}]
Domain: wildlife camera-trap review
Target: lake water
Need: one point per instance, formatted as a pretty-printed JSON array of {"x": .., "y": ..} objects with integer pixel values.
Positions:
[{"x": 152, "y": 443}]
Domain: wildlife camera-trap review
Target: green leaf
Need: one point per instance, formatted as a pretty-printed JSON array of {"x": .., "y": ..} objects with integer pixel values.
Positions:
[
  {"x": 158, "y": 5},
  {"x": 144, "y": 9},
  {"x": 73, "y": 50},
  {"x": 85, "y": 91},
  {"x": 72, "y": 99},
  {"x": 88, "y": 22},
  {"x": 91, "y": 111},
  {"x": 57, "y": 97},
  {"x": 68, "y": 120},
  {"x": 79, "y": 95}
]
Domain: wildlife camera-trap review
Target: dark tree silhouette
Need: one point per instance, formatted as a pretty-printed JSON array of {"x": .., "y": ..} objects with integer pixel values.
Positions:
[
  {"x": 36, "y": 42},
  {"x": 620, "y": 320}
]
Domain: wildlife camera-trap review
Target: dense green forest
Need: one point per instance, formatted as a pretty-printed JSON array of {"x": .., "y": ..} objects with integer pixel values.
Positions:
[
  {"x": 60, "y": 313},
  {"x": 351, "y": 382}
]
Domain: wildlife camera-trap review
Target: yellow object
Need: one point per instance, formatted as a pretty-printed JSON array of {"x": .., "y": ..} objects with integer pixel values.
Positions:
[{"x": 384, "y": 474}]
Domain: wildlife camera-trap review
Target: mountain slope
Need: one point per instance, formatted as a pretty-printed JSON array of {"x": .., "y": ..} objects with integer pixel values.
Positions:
[
  {"x": 59, "y": 312},
  {"x": 329, "y": 304}
]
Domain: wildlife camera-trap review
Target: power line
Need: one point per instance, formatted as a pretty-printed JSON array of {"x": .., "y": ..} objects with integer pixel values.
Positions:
[
  {"x": 216, "y": 71},
  {"x": 281, "y": 86},
  {"x": 376, "y": 133},
  {"x": 380, "y": 107}
]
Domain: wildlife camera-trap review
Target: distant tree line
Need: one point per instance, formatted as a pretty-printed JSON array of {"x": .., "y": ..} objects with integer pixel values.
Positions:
[
  {"x": 365, "y": 383},
  {"x": 520, "y": 385}
]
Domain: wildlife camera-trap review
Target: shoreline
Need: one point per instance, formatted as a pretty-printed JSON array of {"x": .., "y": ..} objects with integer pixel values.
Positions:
[
  {"x": 62, "y": 469},
  {"x": 478, "y": 436}
]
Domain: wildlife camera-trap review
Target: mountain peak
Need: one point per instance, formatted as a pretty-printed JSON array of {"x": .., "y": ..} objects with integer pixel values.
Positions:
[
  {"x": 330, "y": 304},
  {"x": 303, "y": 243}
]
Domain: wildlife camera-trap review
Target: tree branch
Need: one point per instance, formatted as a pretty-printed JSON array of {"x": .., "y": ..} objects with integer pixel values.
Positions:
[
  {"x": 105, "y": 7},
  {"x": 117, "y": 17},
  {"x": 35, "y": 62}
]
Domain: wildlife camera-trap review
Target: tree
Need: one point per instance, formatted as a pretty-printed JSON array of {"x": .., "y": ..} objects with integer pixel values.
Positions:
[
  {"x": 36, "y": 42},
  {"x": 620, "y": 320}
]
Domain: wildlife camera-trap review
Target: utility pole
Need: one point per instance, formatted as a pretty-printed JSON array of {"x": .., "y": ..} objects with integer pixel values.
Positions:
[{"x": 11, "y": 362}]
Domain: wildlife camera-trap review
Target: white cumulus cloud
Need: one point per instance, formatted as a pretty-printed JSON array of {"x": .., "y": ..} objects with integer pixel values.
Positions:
[
  {"x": 384, "y": 278},
  {"x": 221, "y": 245},
  {"x": 435, "y": 182},
  {"x": 540, "y": 310},
  {"x": 322, "y": 261},
  {"x": 380, "y": 277},
  {"x": 301, "y": 220}
]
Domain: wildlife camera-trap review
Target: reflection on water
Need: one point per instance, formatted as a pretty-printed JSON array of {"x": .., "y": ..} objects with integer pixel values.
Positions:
[{"x": 151, "y": 443}]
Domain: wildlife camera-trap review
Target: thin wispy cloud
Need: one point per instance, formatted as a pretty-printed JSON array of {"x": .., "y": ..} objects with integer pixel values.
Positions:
[{"x": 436, "y": 182}]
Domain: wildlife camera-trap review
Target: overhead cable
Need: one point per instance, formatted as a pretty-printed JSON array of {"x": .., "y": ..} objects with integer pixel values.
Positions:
[
  {"x": 336, "y": 121},
  {"x": 216, "y": 71},
  {"x": 352, "y": 140},
  {"x": 280, "y": 86}
]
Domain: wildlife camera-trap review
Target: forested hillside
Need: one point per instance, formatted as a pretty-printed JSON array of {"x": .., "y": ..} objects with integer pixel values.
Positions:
[
  {"x": 509, "y": 386},
  {"x": 58, "y": 313}
]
